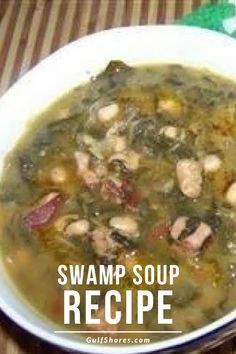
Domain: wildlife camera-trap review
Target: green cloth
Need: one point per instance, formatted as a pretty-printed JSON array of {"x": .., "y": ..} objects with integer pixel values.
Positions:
[{"x": 213, "y": 17}]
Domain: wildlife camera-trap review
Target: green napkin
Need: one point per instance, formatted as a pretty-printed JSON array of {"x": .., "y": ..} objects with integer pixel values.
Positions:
[{"x": 219, "y": 17}]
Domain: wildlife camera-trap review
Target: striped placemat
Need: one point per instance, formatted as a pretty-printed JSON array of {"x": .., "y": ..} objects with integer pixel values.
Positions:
[{"x": 32, "y": 29}]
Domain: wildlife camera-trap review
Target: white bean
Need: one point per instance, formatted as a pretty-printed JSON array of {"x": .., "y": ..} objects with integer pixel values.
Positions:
[
  {"x": 61, "y": 223},
  {"x": 230, "y": 195},
  {"x": 126, "y": 225},
  {"x": 211, "y": 163},
  {"x": 196, "y": 240},
  {"x": 189, "y": 175},
  {"x": 172, "y": 132},
  {"x": 103, "y": 245},
  {"x": 77, "y": 228},
  {"x": 178, "y": 227},
  {"x": 108, "y": 113},
  {"x": 169, "y": 131}
]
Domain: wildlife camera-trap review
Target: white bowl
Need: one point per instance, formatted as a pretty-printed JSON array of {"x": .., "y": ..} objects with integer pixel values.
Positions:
[{"x": 71, "y": 66}]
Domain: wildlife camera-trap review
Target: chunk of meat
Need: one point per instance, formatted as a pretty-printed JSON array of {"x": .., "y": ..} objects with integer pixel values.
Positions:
[
  {"x": 132, "y": 195},
  {"x": 178, "y": 227},
  {"x": 113, "y": 188},
  {"x": 159, "y": 231},
  {"x": 124, "y": 192},
  {"x": 126, "y": 225},
  {"x": 189, "y": 175},
  {"x": 91, "y": 179},
  {"x": 44, "y": 212}
]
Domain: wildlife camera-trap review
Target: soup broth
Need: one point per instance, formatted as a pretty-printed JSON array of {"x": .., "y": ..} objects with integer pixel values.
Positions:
[{"x": 138, "y": 166}]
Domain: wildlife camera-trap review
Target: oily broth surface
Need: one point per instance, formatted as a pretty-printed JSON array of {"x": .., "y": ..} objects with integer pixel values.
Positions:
[{"x": 205, "y": 110}]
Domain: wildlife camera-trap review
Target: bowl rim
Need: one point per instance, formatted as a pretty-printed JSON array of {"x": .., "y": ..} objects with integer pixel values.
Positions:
[{"x": 72, "y": 344}]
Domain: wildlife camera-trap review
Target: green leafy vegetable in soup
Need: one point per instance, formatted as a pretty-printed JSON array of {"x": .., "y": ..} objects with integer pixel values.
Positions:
[{"x": 136, "y": 167}]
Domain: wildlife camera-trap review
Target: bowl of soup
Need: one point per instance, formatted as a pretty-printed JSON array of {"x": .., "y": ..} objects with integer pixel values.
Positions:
[{"x": 120, "y": 149}]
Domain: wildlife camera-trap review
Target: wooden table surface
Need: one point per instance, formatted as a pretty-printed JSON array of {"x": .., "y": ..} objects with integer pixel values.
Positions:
[{"x": 32, "y": 29}]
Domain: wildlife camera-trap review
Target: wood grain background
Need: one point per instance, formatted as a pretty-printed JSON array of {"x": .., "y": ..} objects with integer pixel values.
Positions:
[{"x": 32, "y": 29}]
